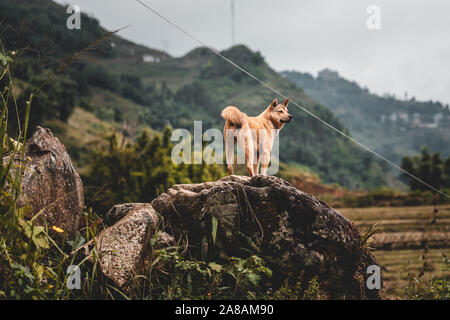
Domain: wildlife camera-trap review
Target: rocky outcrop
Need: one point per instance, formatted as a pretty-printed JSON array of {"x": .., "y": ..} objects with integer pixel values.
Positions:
[
  {"x": 299, "y": 235},
  {"x": 124, "y": 247},
  {"x": 50, "y": 184}
]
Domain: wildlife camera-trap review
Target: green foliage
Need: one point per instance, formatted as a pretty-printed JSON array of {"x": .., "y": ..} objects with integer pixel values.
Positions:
[
  {"x": 28, "y": 24},
  {"x": 251, "y": 61},
  {"x": 389, "y": 125},
  {"x": 22, "y": 244},
  {"x": 288, "y": 291},
  {"x": 37, "y": 61},
  {"x": 429, "y": 168},
  {"x": 56, "y": 100},
  {"x": 139, "y": 172},
  {"x": 367, "y": 237},
  {"x": 179, "y": 278},
  {"x": 313, "y": 291},
  {"x": 434, "y": 289},
  {"x": 301, "y": 290},
  {"x": 32, "y": 264}
]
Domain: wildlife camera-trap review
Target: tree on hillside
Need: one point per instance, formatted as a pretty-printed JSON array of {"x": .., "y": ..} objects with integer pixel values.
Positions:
[
  {"x": 139, "y": 172},
  {"x": 447, "y": 171},
  {"x": 429, "y": 168},
  {"x": 54, "y": 100}
]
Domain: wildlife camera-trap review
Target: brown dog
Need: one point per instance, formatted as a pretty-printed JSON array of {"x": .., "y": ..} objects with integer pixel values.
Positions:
[{"x": 255, "y": 135}]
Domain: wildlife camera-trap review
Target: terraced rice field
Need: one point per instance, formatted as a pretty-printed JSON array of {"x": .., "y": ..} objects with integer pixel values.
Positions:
[{"x": 408, "y": 243}]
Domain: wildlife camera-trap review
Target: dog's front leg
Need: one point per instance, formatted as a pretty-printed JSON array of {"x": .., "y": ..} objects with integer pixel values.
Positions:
[
  {"x": 256, "y": 165},
  {"x": 265, "y": 162},
  {"x": 266, "y": 141}
]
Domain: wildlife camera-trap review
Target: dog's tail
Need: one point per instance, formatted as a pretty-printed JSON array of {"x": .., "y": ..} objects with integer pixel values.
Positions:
[{"x": 233, "y": 115}]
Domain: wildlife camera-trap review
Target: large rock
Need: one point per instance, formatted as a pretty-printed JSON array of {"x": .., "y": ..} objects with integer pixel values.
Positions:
[
  {"x": 299, "y": 235},
  {"x": 124, "y": 247},
  {"x": 50, "y": 184}
]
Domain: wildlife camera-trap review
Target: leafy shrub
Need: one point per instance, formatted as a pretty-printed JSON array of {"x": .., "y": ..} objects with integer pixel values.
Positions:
[
  {"x": 434, "y": 289},
  {"x": 22, "y": 244},
  {"x": 430, "y": 168},
  {"x": 137, "y": 172},
  {"x": 180, "y": 278},
  {"x": 301, "y": 290}
]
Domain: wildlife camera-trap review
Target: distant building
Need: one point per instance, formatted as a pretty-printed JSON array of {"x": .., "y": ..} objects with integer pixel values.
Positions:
[
  {"x": 403, "y": 116},
  {"x": 393, "y": 117},
  {"x": 396, "y": 116},
  {"x": 417, "y": 123},
  {"x": 416, "y": 120},
  {"x": 438, "y": 117},
  {"x": 430, "y": 125},
  {"x": 150, "y": 58},
  {"x": 328, "y": 74}
]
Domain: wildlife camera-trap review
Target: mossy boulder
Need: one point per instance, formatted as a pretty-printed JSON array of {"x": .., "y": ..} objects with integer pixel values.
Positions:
[{"x": 298, "y": 235}]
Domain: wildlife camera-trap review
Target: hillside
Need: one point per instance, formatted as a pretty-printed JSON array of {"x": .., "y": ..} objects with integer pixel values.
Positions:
[
  {"x": 199, "y": 85},
  {"x": 134, "y": 87},
  {"x": 387, "y": 124}
]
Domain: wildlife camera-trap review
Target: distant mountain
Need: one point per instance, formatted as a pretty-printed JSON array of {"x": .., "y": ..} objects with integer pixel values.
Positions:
[
  {"x": 389, "y": 125},
  {"x": 132, "y": 86}
]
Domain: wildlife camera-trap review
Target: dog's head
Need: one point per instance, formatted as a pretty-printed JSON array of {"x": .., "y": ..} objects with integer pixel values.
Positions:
[{"x": 279, "y": 112}]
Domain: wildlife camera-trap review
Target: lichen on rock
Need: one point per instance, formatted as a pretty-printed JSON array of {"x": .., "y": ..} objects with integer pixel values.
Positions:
[{"x": 51, "y": 186}]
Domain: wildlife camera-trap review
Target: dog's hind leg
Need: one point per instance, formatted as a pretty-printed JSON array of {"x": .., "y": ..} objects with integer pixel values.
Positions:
[
  {"x": 249, "y": 153},
  {"x": 230, "y": 157},
  {"x": 229, "y": 149}
]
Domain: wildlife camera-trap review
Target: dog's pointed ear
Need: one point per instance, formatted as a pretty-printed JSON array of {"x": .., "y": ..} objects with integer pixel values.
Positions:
[
  {"x": 285, "y": 102},
  {"x": 273, "y": 104}
]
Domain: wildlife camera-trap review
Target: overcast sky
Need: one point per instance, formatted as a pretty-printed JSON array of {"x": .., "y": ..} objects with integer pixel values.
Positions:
[{"x": 411, "y": 51}]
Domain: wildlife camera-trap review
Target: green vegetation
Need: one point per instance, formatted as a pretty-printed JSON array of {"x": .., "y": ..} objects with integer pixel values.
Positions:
[
  {"x": 36, "y": 59},
  {"x": 429, "y": 168},
  {"x": 31, "y": 262},
  {"x": 138, "y": 172},
  {"x": 435, "y": 289},
  {"x": 237, "y": 278},
  {"x": 389, "y": 125}
]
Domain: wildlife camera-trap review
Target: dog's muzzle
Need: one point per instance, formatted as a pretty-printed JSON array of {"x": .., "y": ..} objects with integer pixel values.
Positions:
[{"x": 287, "y": 121}]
